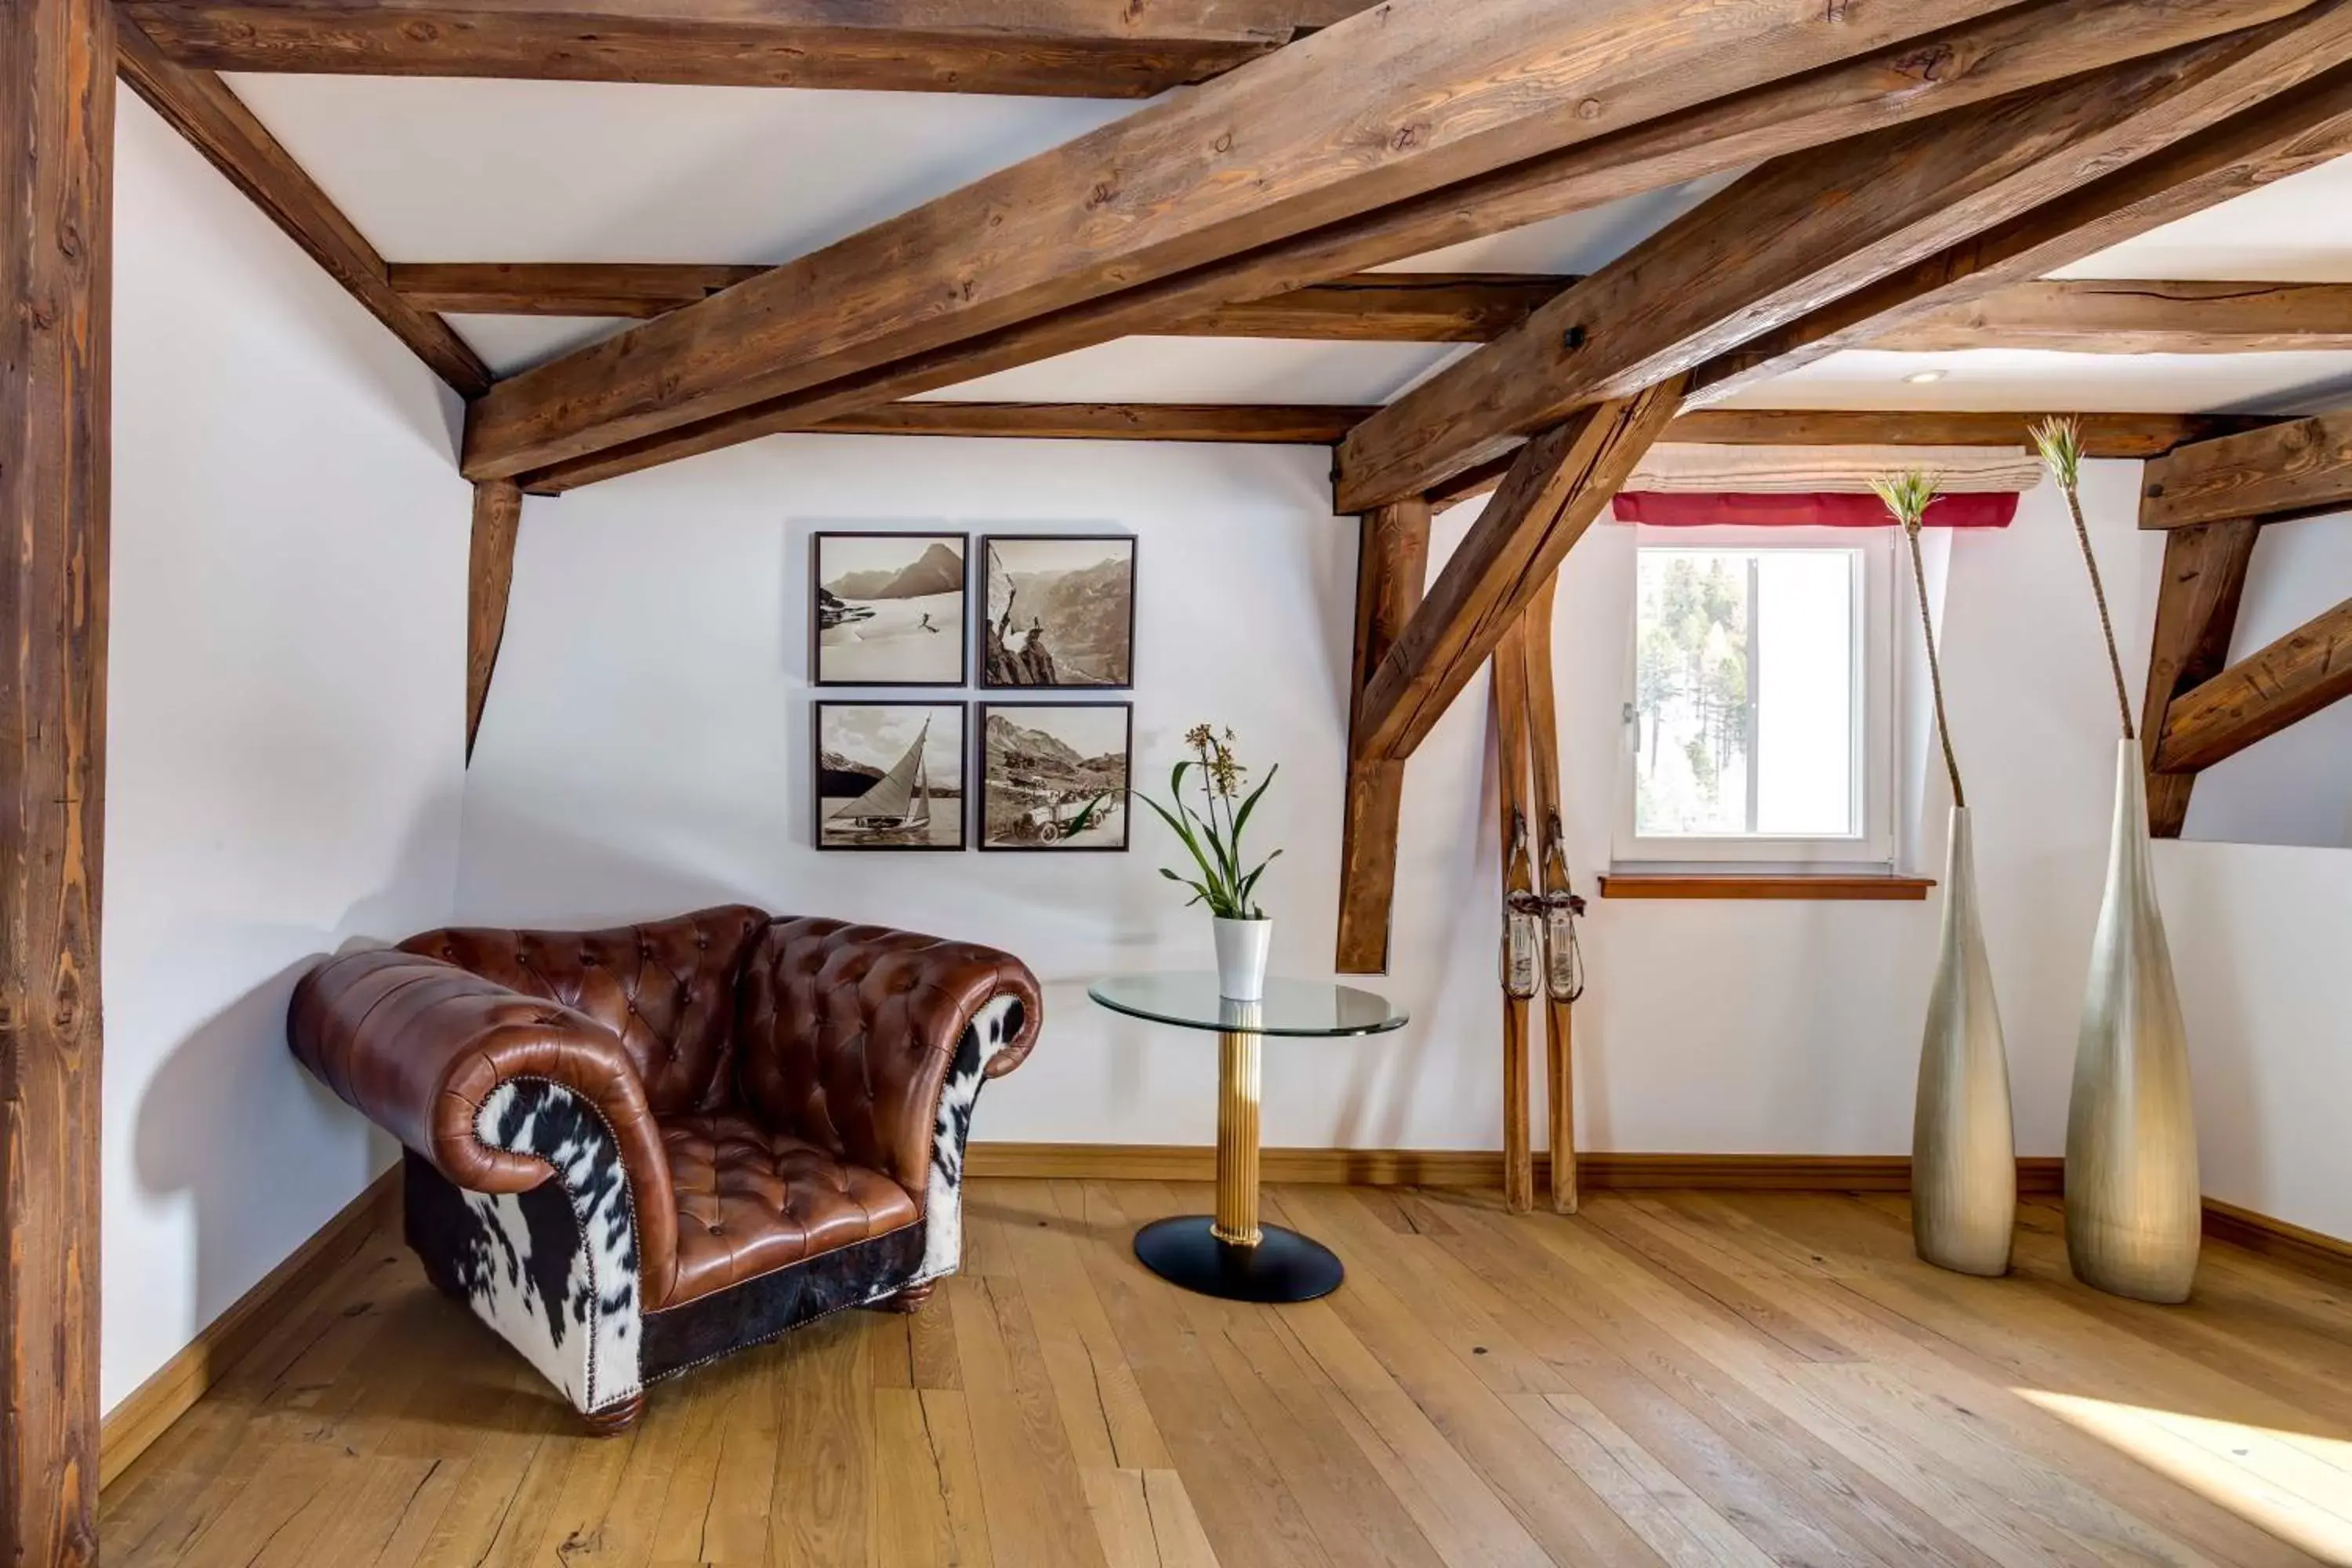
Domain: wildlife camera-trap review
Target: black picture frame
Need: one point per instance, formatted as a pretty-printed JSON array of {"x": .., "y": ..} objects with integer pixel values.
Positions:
[
  {"x": 884, "y": 841},
  {"x": 989, "y": 679},
  {"x": 1049, "y": 843},
  {"x": 817, "y": 595}
]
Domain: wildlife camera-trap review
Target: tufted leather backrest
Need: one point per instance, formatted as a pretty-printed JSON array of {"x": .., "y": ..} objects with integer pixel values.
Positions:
[
  {"x": 667, "y": 989},
  {"x": 847, "y": 1033}
]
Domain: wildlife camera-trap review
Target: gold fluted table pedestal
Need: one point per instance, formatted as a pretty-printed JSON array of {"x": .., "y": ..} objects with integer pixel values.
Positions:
[
  {"x": 1239, "y": 1082},
  {"x": 1233, "y": 1254}
]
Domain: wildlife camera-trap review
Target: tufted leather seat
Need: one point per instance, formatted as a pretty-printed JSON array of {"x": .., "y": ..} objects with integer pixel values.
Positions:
[
  {"x": 630, "y": 1149},
  {"x": 749, "y": 1200}
]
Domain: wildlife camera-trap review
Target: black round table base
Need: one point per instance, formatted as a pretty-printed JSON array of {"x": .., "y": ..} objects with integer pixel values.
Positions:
[{"x": 1284, "y": 1267}]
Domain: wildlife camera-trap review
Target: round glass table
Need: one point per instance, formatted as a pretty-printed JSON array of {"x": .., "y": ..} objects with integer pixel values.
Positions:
[{"x": 1230, "y": 1254}]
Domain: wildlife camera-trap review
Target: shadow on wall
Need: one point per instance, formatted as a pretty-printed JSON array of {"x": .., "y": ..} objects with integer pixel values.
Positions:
[
  {"x": 256, "y": 1152},
  {"x": 204, "y": 1130},
  {"x": 575, "y": 883}
]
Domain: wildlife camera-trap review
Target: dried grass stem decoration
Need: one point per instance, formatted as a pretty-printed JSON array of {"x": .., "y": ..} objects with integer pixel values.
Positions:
[
  {"x": 1908, "y": 496},
  {"x": 2060, "y": 442}
]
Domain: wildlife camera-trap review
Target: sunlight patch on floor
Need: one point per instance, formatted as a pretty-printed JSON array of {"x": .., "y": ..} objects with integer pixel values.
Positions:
[{"x": 2293, "y": 1484}]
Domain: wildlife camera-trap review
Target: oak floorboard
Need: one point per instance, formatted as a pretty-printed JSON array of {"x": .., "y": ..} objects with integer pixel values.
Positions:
[{"x": 1719, "y": 1379}]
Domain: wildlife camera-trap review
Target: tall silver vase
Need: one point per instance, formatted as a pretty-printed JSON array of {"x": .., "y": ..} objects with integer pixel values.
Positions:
[
  {"x": 2133, "y": 1209},
  {"x": 1963, "y": 1150}
]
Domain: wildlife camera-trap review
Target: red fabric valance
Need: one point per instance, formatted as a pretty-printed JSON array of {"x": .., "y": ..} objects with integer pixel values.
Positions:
[{"x": 1819, "y": 510}]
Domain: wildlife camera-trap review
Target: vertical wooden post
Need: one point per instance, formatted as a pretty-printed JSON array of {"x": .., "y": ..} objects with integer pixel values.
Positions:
[
  {"x": 1392, "y": 569},
  {"x": 489, "y": 579},
  {"x": 2196, "y": 611},
  {"x": 56, "y": 153}
]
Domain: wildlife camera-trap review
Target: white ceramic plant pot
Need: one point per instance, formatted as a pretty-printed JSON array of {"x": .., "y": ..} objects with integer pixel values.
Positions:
[{"x": 1241, "y": 958}]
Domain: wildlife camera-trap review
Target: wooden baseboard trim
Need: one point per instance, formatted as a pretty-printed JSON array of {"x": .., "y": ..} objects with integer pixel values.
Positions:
[
  {"x": 2278, "y": 1239},
  {"x": 1477, "y": 1168},
  {"x": 148, "y": 1410},
  {"x": 1796, "y": 886}
]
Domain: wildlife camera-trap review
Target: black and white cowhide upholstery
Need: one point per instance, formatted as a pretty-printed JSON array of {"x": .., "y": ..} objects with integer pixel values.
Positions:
[
  {"x": 991, "y": 1029},
  {"x": 552, "y": 1270}
]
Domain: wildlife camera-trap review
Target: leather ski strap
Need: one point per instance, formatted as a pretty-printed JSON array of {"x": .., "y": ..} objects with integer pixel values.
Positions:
[
  {"x": 1522, "y": 916},
  {"x": 1563, "y": 956}
]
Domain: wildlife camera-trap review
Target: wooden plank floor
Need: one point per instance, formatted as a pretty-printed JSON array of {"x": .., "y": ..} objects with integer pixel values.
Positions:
[{"x": 1676, "y": 1378}]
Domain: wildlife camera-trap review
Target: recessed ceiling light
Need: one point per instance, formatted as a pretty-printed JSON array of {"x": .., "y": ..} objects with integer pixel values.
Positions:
[{"x": 1924, "y": 377}]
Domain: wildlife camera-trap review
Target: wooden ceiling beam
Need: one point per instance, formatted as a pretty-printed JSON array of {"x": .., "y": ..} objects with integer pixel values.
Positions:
[
  {"x": 1302, "y": 199},
  {"x": 2260, "y": 695},
  {"x": 2102, "y": 316},
  {"x": 1072, "y": 49},
  {"x": 1324, "y": 424},
  {"x": 200, "y": 107},
  {"x": 1384, "y": 307},
  {"x": 2140, "y": 436},
  {"x": 2294, "y": 468},
  {"x": 1556, "y": 487},
  {"x": 2307, "y": 123},
  {"x": 2134, "y": 316},
  {"x": 2196, "y": 612},
  {"x": 1305, "y": 424},
  {"x": 640, "y": 290},
  {"x": 1368, "y": 306},
  {"x": 2129, "y": 436},
  {"x": 1812, "y": 227}
]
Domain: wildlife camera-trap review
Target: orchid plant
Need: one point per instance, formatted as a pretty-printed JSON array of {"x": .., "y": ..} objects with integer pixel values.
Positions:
[{"x": 1214, "y": 833}]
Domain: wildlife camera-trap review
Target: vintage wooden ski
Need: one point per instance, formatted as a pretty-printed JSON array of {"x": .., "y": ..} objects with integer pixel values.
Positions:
[
  {"x": 1522, "y": 912},
  {"x": 1563, "y": 965}
]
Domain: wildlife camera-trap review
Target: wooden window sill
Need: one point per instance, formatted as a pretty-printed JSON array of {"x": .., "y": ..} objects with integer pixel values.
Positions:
[{"x": 1785, "y": 885}]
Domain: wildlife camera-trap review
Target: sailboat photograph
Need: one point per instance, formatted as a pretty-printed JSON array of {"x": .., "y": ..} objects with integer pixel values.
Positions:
[{"x": 890, "y": 775}]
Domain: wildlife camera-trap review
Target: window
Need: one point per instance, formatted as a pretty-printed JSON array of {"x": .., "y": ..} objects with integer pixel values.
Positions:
[{"x": 1759, "y": 726}]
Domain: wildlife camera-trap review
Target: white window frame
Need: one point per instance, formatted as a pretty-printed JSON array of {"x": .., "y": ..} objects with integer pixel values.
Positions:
[{"x": 1873, "y": 847}]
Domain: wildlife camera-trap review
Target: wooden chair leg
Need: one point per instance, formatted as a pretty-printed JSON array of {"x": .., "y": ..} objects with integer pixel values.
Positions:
[
  {"x": 615, "y": 1419},
  {"x": 910, "y": 1299}
]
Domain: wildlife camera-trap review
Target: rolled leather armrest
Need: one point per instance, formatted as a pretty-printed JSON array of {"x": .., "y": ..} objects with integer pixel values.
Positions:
[
  {"x": 847, "y": 1035},
  {"x": 418, "y": 1046}
]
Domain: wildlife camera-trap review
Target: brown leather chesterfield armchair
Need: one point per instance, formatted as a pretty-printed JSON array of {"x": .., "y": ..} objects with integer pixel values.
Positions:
[{"x": 630, "y": 1151}]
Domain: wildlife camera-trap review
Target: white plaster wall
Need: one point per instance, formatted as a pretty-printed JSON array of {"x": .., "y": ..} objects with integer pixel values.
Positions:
[
  {"x": 286, "y": 727},
  {"x": 645, "y": 749},
  {"x": 2259, "y": 933}
]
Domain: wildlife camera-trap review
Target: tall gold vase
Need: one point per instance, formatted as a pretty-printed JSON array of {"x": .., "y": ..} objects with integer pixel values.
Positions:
[
  {"x": 2133, "y": 1209},
  {"x": 1963, "y": 1148}
]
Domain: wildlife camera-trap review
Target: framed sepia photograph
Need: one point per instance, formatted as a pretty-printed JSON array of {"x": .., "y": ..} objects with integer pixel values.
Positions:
[
  {"x": 887, "y": 609},
  {"x": 1055, "y": 775},
  {"x": 890, "y": 775},
  {"x": 1059, "y": 611}
]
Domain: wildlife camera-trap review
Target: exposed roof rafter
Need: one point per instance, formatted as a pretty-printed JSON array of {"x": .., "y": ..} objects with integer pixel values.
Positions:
[
  {"x": 200, "y": 107},
  {"x": 2299, "y": 128},
  {"x": 1556, "y": 487},
  {"x": 1817, "y": 227},
  {"x": 1034, "y": 274},
  {"x": 1081, "y": 48}
]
